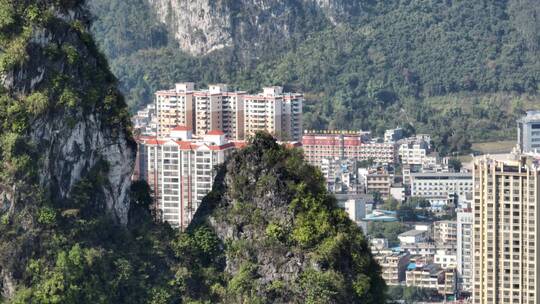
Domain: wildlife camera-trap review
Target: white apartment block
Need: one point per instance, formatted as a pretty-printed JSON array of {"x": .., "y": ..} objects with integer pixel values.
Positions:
[
  {"x": 237, "y": 114},
  {"x": 440, "y": 186},
  {"x": 464, "y": 250},
  {"x": 446, "y": 258},
  {"x": 529, "y": 132},
  {"x": 506, "y": 223},
  {"x": 180, "y": 170}
]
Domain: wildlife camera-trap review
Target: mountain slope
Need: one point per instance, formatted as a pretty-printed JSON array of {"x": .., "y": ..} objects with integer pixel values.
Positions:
[
  {"x": 66, "y": 158},
  {"x": 369, "y": 69},
  {"x": 270, "y": 233}
]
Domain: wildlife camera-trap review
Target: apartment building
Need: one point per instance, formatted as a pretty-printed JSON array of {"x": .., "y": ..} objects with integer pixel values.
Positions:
[
  {"x": 413, "y": 150},
  {"x": 174, "y": 108},
  {"x": 319, "y": 145},
  {"x": 380, "y": 182},
  {"x": 529, "y": 132},
  {"x": 464, "y": 250},
  {"x": 446, "y": 258},
  {"x": 393, "y": 264},
  {"x": 237, "y": 113},
  {"x": 441, "y": 186},
  {"x": 180, "y": 170},
  {"x": 276, "y": 112},
  {"x": 505, "y": 231},
  {"x": 445, "y": 232}
]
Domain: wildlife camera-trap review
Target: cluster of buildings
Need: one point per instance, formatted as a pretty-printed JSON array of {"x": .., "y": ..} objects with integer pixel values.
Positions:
[
  {"x": 187, "y": 132},
  {"x": 488, "y": 250}
]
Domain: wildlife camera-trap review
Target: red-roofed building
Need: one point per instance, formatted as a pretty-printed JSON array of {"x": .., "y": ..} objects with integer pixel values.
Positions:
[
  {"x": 319, "y": 145},
  {"x": 181, "y": 170}
]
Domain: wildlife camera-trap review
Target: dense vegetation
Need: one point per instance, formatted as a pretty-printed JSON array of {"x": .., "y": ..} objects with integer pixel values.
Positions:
[
  {"x": 269, "y": 232},
  {"x": 462, "y": 70}
]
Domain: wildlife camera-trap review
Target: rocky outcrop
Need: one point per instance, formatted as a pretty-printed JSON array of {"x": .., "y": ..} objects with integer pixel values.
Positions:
[
  {"x": 65, "y": 142},
  {"x": 284, "y": 240},
  {"x": 203, "y": 26},
  {"x": 71, "y": 136}
]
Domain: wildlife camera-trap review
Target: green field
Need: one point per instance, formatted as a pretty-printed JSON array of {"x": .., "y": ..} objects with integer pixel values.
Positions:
[{"x": 494, "y": 147}]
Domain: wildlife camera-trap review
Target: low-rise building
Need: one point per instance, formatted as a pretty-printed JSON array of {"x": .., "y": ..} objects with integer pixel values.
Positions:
[
  {"x": 428, "y": 276},
  {"x": 412, "y": 237}
]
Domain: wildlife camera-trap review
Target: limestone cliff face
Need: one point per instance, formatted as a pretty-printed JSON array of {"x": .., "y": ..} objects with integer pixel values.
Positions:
[
  {"x": 204, "y": 26},
  {"x": 71, "y": 139},
  {"x": 65, "y": 142}
]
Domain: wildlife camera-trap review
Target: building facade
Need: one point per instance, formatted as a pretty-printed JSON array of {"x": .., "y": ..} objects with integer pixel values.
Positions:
[
  {"x": 237, "y": 114},
  {"x": 529, "y": 132},
  {"x": 180, "y": 170},
  {"x": 505, "y": 231},
  {"x": 441, "y": 185},
  {"x": 445, "y": 232},
  {"x": 319, "y": 145},
  {"x": 464, "y": 250},
  {"x": 393, "y": 264}
]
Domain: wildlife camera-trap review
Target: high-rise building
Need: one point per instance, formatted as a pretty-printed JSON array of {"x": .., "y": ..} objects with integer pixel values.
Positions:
[
  {"x": 464, "y": 250},
  {"x": 174, "y": 108},
  {"x": 237, "y": 114},
  {"x": 180, "y": 170},
  {"x": 529, "y": 132},
  {"x": 506, "y": 251},
  {"x": 276, "y": 112}
]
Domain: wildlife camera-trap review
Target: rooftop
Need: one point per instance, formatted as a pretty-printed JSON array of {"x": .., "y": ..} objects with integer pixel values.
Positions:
[{"x": 412, "y": 233}]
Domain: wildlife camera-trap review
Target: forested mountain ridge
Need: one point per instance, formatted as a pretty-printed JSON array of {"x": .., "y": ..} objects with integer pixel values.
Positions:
[{"x": 396, "y": 58}]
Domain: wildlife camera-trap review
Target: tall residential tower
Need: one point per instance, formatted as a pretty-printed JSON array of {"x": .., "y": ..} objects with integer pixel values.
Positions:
[{"x": 505, "y": 234}]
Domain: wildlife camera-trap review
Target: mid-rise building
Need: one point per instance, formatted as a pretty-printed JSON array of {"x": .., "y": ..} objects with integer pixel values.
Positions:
[
  {"x": 529, "y": 132},
  {"x": 506, "y": 223},
  {"x": 393, "y": 135},
  {"x": 441, "y": 186},
  {"x": 379, "y": 182},
  {"x": 393, "y": 264},
  {"x": 446, "y": 258},
  {"x": 445, "y": 232},
  {"x": 464, "y": 250},
  {"x": 320, "y": 145},
  {"x": 413, "y": 151},
  {"x": 180, "y": 170}
]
